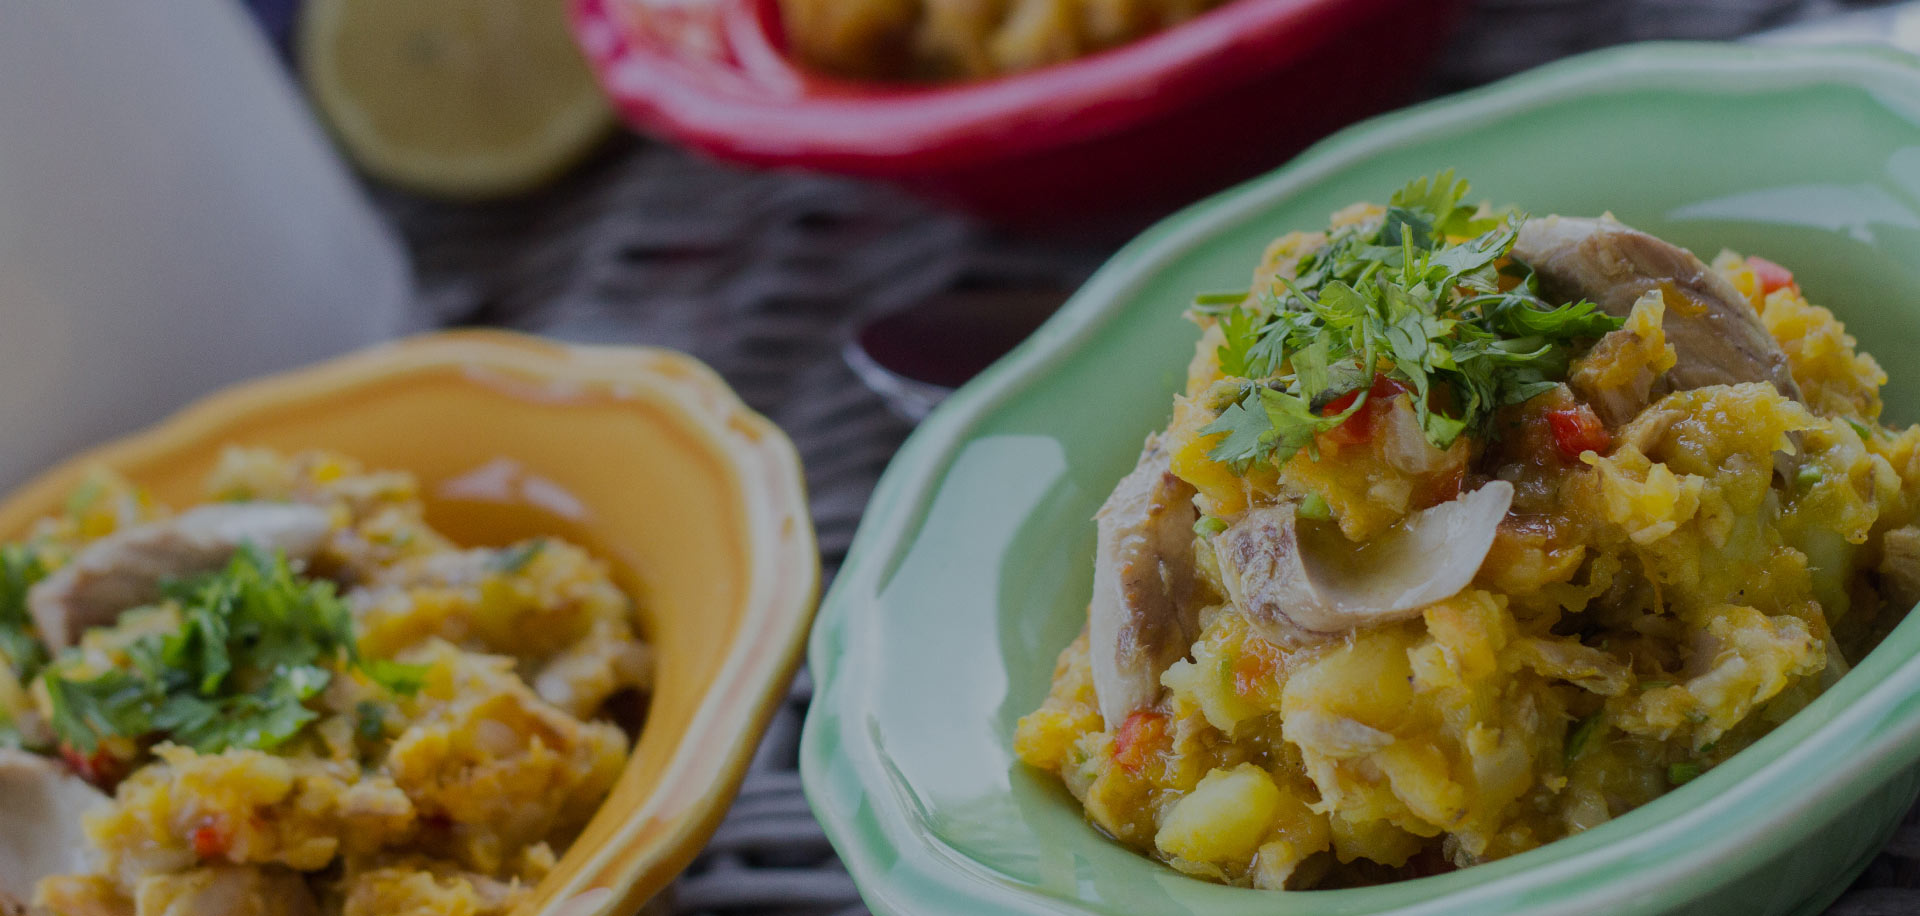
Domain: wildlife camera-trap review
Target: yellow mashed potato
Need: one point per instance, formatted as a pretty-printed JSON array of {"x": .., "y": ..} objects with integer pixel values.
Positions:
[
  {"x": 452, "y": 796},
  {"x": 966, "y": 39},
  {"x": 1648, "y": 608}
]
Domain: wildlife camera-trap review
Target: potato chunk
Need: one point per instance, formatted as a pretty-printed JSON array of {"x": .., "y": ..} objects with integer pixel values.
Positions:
[{"x": 1223, "y": 819}]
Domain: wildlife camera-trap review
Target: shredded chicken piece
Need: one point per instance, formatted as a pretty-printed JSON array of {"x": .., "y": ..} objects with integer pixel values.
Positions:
[{"x": 125, "y": 569}]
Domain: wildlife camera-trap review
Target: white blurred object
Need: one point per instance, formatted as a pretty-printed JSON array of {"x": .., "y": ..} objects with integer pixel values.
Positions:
[
  {"x": 171, "y": 220},
  {"x": 1896, "y": 25}
]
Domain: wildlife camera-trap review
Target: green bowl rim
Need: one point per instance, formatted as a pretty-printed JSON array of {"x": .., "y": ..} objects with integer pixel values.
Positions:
[{"x": 1686, "y": 842}]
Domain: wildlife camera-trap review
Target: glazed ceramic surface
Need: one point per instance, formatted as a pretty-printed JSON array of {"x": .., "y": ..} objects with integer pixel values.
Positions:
[
  {"x": 972, "y": 568},
  {"x": 643, "y": 457}
]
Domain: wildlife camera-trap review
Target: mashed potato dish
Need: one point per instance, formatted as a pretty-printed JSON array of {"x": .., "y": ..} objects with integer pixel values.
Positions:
[
  {"x": 298, "y": 698},
  {"x": 966, "y": 39},
  {"x": 1469, "y": 532}
]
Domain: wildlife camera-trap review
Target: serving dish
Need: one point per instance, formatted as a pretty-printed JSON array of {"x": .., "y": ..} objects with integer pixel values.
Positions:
[
  {"x": 971, "y": 567},
  {"x": 1134, "y": 130},
  {"x": 642, "y": 456}
]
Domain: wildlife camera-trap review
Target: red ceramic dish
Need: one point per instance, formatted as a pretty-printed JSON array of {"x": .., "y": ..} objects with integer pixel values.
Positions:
[{"x": 1132, "y": 130}]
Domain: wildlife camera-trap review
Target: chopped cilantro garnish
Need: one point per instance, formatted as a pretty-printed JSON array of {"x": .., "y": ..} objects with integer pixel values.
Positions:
[
  {"x": 252, "y": 648},
  {"x": 1402, "y": 298},
  {"x": 398, "y": 677},
  {"x": 20, "y": 568},
  {"x": 1682, "y": 773}
]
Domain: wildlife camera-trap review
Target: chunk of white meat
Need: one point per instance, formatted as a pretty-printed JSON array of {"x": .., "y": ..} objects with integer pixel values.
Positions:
[
  {"x": 1296, "y": 587},
  {"x": 41, "y": 804},
  {"x": 1900, "y": 566},
  {"x": 1716, "y": 334},
  {"x": 1139, "y": 622},
  {"x": 581, "y": 678},
  {"x": 125, "y": 569}
]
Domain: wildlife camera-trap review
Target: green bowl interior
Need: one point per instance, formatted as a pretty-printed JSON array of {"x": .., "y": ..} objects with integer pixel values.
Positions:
[{"x": 972, "y": 569}]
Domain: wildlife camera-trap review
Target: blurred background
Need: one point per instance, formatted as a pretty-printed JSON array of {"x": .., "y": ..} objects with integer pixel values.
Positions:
[{"x": 199, "y": 193}]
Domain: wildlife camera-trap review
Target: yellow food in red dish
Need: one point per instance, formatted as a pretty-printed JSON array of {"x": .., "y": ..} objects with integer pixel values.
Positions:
[
  {"x": 1470, "y": 532},
  {"x": 966, "y": 39}
]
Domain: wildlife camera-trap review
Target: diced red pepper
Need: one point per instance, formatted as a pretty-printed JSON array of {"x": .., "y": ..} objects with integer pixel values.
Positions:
[
  {"x": 212, "y": 840},
  {"x": 1575, "y": 430},
  {"x": 1359, "y": 427},
  {"x": 100, "y": 767},
  {"x": 1770, "y": 276},
  {"x": 1138, "y": 738}
]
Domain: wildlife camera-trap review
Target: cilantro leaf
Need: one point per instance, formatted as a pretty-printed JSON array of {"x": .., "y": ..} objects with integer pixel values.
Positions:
[
  {"x": 1248, "y": 434},
  {"x": 85, "y": 712},
  {"x": 20, "y": 568},
  {"x": 1270, "y": 424},
  {"x": 1519, "y": 316},
  {"x": 264, "y": 719},
  {"x": 1437, "y": 196},
  {"x": 397, "y": 677}
]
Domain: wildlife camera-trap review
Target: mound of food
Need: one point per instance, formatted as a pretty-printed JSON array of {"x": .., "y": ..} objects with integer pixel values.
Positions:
[
  {"x": 964, "y": 39},
  {"x": 1469, "y": 532},
  {"x": 301, "y": 698}
]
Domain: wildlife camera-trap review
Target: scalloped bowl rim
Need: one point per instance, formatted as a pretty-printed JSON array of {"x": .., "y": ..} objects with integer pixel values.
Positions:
[
  {"x": 766, "y": 468},
  {"x": 1700, "y": 828}
]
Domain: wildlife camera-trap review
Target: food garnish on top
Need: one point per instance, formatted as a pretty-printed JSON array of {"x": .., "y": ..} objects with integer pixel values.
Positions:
[
  {"x": 303, "y": 700},
  {"x": 1469, "y": 532}
]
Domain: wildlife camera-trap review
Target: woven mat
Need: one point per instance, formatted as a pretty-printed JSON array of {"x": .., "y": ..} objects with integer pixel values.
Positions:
[{"x": 762, "y": 275}]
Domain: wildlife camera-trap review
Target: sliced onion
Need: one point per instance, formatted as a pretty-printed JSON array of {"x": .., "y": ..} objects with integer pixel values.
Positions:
[{"x": 1300, "y": 587}]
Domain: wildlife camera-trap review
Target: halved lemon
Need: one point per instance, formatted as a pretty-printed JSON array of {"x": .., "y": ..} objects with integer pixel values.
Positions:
[{"x": 456, "y": 98}]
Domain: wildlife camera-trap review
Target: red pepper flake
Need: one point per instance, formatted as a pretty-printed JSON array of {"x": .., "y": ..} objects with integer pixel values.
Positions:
[
  {"x": 212, "y": 840},
  {"x": 1576, "y": 430},
  {"x": 1359, "y": 427},
  {"x": 1142, "y": 734},
  {"x": 1770, "y": 276}
]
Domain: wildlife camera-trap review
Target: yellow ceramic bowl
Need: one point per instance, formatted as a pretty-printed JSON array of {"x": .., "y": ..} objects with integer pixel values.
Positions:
[{"x": 642, "y": 456}]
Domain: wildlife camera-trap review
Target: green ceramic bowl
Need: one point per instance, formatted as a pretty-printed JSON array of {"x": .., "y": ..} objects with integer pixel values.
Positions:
[{"x": 972, "y": 568}]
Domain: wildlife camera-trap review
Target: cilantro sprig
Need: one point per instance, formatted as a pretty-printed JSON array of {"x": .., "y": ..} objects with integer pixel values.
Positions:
[
  {"x": 255, "y": 643},
  {"x": 1417, "y": 296},
  {"x": 20, "y": 568}
]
